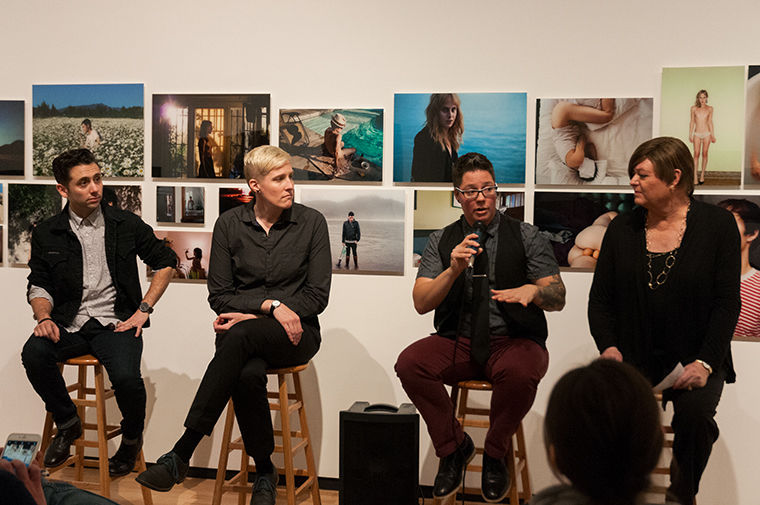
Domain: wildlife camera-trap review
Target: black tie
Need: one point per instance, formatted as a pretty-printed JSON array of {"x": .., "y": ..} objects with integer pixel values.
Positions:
[{"x": 480, "y": 338}]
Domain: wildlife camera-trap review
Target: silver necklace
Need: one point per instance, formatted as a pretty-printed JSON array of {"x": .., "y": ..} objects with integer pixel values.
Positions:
[{"x": 653, "y": 281}]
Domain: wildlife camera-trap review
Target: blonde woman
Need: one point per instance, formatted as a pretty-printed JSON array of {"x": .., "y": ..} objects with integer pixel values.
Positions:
[
  {"x": 436, "y": 145},
  {"x": 701, "y": 133}
]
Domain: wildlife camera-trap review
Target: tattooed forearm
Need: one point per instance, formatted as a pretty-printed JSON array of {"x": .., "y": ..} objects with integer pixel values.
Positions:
[{"x": 551, "y": 293}]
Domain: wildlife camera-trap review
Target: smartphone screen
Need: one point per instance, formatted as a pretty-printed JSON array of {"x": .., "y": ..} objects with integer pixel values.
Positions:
[{"x": 23, "y": 447}]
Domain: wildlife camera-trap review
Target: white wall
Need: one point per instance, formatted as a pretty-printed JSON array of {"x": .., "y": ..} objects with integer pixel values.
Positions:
[{"x": 357, "y": 54}]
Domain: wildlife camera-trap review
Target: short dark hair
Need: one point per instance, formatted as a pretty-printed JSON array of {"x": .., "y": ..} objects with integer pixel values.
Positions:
[
  {"x": 666, "y": 154},
  {"x": 350, "y": 213},
  {"x": 748, "y": 211},
  {"x": 64, "y": 162},
  {"x": 469, "y": 163},
  {"x": 87, "y": 123},
  {"x": 604, "y": 424}
]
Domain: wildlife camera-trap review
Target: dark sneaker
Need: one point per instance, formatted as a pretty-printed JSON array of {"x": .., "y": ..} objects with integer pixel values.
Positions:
[
  {"x": 60, "y": 447},
  {"x": 495, "y": 479},
  {"x": 168, "y": 471},
  {"x": 123, "y": 461},
  {"x": 451, "y": 469},
  {"x": 265, "y": 489}
]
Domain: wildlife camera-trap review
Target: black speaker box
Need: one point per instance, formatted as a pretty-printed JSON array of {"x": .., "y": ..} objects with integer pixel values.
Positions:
[{"x": 379, "y": 454}]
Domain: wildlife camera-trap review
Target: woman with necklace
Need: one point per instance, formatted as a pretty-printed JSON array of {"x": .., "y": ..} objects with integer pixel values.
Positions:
[{"x": 666, "y": 291}]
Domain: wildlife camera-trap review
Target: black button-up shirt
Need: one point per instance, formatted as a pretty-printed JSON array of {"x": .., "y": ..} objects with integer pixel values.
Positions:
[{"x": 291, "y": 264}]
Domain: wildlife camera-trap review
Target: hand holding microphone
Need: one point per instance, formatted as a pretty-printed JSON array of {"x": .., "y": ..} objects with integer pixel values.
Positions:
[{"x": 480, "y": 231}]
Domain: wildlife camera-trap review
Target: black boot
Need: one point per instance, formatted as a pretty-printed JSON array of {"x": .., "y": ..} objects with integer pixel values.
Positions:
[
  {"x": 495, "y": 479},
  {"x": 60, "y": 448},
  {"x": 451, "y": 469}
]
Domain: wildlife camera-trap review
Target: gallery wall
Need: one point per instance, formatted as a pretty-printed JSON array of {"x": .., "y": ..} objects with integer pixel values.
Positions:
[{"x": 352, "y": 54}]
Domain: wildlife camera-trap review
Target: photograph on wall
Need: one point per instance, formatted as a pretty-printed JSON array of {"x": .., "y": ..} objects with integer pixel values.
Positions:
[
  {"x": 434, "y": 210},
  {"x": 334, "y": 144},
  {"x": 704, "y": 107},
  {"x": 107, "y": 119},
  {"x": 431, "y": 130},
  {"x": 11, "y": 137},
  {"x": 207, "y": 136},
  {"x": 589, "y": 140},
  {"x": 746, "y": 211},
  {"x": 2, "y": 242},
  {"x": 575, "y": 223},
  {"x": 2, "y": 203},
  {"x": 28, "y": 205},
  {"x": 229, "y": 198},
  {"x": 179, "y": 205},
  {"x": 752, "y": 128},
  {"x": 193, "y": 249},
  {"x": 366, "y": 228},
  {"x": 124, "y": 197}
]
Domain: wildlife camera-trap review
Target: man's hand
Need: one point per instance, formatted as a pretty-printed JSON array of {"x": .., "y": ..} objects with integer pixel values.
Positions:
[
  {"x": 48, "y": 329},
  {"x": 137, "y": 320},
  {"x": 612, "y": 353},
  {"x": 225, "y": 321},
  {"x": 30, "y": 477},
  {"x": 460, "y": 255},
  {"x": 694, "y": 376},
  {"x": 522, "y": 295},
  {"x": 290, "y": 322}
]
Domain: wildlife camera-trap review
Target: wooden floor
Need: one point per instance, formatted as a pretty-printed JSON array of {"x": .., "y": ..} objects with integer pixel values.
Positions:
[{"x": 127, "y": 491}]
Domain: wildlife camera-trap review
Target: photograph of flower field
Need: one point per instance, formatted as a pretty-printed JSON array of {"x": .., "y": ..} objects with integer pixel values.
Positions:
[{"x": 108, "y": 119}]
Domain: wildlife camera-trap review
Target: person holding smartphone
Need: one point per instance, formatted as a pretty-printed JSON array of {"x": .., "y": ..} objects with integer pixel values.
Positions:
[{"x": 85, "y": 294}]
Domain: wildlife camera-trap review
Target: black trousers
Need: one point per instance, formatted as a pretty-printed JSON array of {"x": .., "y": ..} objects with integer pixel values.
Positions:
[
  {"x": 118, "y": 352},
  {"x": 238, "y": 371},
  {"x": 695, "y": 431}
]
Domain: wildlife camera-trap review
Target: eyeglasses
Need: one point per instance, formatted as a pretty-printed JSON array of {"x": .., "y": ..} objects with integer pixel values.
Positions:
[{"x": 472, "y": 194}]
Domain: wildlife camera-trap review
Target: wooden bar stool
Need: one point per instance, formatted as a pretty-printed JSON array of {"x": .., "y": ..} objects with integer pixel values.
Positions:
[
  {"x": 287, "y": 403},
  {"x": 661, "y": 472},
  {"x": 90, "y": 397},
  {"x": 517, "y": 455}
]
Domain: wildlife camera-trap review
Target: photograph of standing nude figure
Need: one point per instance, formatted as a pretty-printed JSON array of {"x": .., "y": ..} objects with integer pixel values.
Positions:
[{"x": 713, "y": 98}]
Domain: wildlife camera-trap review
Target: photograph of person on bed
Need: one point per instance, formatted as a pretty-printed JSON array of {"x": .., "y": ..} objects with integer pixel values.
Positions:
[
  {"x": 436, "y": 145},
  {"x": 589, "y": 140},
  {"x": 701, "y": 133},
  {"x": 568, "y": 118}
]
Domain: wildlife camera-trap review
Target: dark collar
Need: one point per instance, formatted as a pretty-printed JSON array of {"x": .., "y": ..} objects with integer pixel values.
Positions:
[
  {"x": 290, "y": 215},
  {"x": 61, "y": 220}
]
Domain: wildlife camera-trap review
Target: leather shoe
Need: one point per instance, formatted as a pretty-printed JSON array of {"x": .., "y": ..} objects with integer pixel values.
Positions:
[
  {"x": 168, "y": 471},
  {"x": 451, "y": 469},
  {"x": 265, "y": 489},
  {"x": 495, "y": 479},
  {"x": 60, "y": 447},
  {"x": 123, "y": 461}
]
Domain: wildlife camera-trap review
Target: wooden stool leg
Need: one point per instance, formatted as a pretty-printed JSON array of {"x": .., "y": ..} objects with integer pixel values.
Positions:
[
  {"x": 514, "y": 498},
  {"x": 287, "y": 443},
  {"x": 141, "y": 467},
  {"x": 224, "y": 455},
  {"x": 523, "y": 453},
  {"x": 81, "y": 390},
  {"x": 311, "y": 467},
  {"x": 244, "y": 469},
  {"x": 100, "y": 399}
]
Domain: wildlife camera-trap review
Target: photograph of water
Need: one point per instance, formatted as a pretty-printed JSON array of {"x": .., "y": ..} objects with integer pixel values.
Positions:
[{"x": 371, "y": 241}]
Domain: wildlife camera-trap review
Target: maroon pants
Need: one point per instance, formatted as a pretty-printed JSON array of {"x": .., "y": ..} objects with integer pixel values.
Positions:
[{"x": 514, "y": 368}]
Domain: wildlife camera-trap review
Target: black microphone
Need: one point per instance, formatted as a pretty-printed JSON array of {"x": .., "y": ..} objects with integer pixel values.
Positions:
[{"x": 480, "y": 231}]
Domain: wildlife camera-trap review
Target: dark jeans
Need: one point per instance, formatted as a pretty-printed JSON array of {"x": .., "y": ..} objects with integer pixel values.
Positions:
[
  {"x": 238, "y": 371},
  {"x": 694, "y": 433},
  {"x": 514, "y": 368},
  {"x": 119, "y": 352}
]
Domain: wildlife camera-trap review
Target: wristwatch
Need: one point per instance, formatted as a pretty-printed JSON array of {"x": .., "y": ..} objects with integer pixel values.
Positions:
[
  {"x": 274, "y": 305},
  {"x": 145, "y": 307},
  {"x": 707, "y": 367}
]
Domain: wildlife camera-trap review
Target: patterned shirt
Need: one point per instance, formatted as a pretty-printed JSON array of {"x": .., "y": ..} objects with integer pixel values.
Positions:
[{"x": 749, "y": 317}]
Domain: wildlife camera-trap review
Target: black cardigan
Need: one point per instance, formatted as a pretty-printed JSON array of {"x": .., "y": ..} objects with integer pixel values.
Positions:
[{"x": 703, "y": 292}]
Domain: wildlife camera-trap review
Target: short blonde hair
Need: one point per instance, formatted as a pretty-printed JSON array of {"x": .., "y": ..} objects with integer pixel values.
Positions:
[{"x": 261, "y": 160}]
